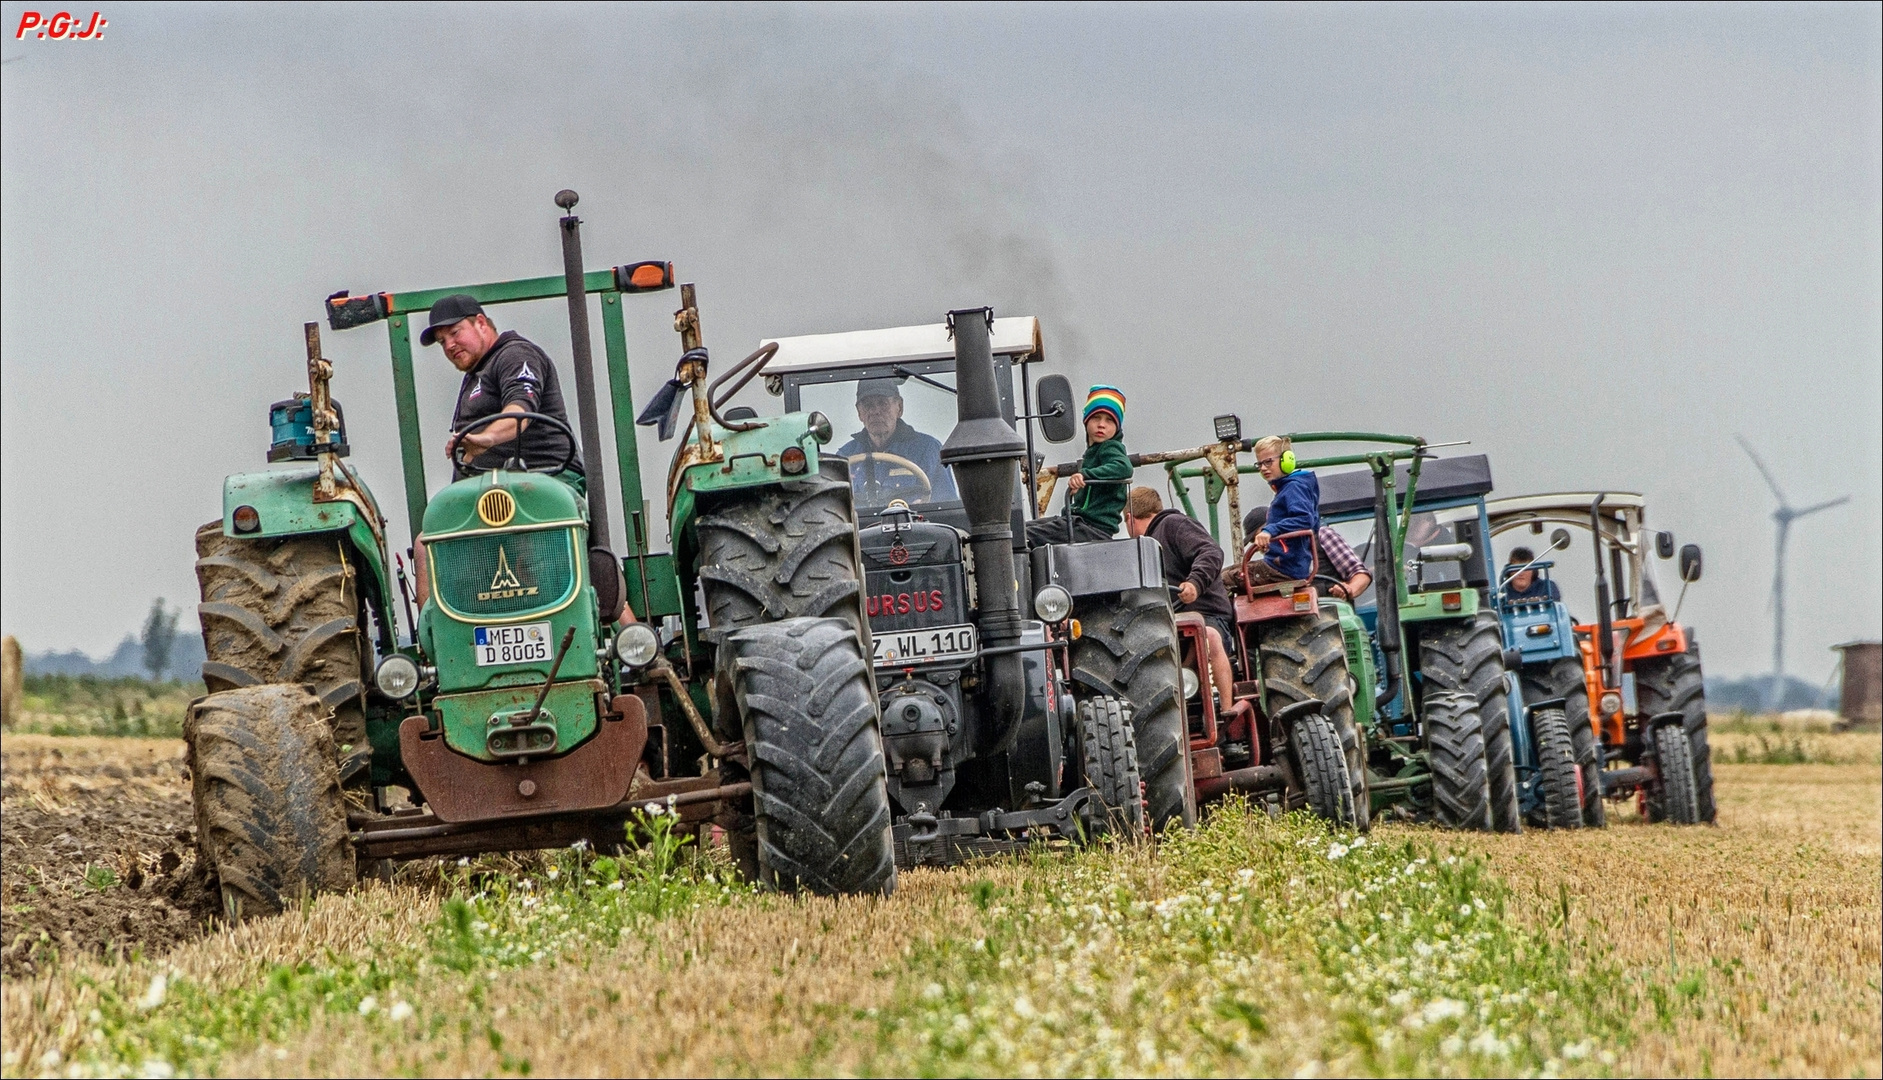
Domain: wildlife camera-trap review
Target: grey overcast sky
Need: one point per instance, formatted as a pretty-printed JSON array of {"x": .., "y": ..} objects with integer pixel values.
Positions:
[{"x": 1597, "y": 241}]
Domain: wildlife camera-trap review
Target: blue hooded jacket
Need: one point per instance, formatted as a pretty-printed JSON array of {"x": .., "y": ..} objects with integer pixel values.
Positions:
[{"x": 1296, "y": 506}]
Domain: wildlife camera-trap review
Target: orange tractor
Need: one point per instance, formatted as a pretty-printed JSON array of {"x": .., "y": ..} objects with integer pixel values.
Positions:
[{"x": 1629, "y": 683}]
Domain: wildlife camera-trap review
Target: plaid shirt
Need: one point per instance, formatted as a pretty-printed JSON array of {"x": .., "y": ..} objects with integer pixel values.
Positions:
[{"x": 1336, "y": 551}]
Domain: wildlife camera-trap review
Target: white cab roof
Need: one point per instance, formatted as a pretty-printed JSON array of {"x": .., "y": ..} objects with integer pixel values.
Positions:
[
  {"x": 1016, "y": 336},
  {"x": 1569, "y": 502}
]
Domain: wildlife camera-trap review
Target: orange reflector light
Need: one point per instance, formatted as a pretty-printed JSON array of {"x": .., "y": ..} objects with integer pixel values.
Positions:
[
  {"x": 1304, "y": 600},
  {"x": 1075, "y": 630},
  {"x": 644, "y": 276},
  {"x": 1665, "y": 646},
  {"x": 246, "y": 519},
  {"x": 1452, "y": 601},
  {"x": 791, "y": 460}
]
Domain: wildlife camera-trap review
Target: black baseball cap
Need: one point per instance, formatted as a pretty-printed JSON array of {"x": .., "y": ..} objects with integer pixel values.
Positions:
[
  {"x": 1521, "y": 555},
  {"x": 879, "y": 387},
  {"x": 452, "y": 309}
]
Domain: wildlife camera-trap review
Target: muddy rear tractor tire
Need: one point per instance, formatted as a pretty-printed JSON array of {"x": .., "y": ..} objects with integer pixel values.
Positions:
[
  {"x": 820, "y": 795},
  {"x": 1564, "y": 680},
  {"x": 283, "y": 611},
  {"x": 1461, "y": 796},
  {"x": 1677, "y": 684},
  {"x": 1128, "y": 649},
  {"x": 1307, "y": 658},
  {"x": 1558, "y": 773},
  {"x": 783, "y": 552},
  {"x": 1676, "y": 799},
  {"x": 1468, "y": 657},
  {"x": 1109, "y": 754},
  {"x": 1323, "y": 767},
  {"x": 271, "y": 819}
]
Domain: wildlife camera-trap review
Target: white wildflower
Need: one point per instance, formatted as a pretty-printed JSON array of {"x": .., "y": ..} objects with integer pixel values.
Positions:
[
  {"x": 400, "y": 1011},
  {"x": 1487, "y": 1043},
  {"x": 1576, "y": 1051},
  {"x": 1452, "y": 1046},
  {"x": 654, "y": 809},
  {"x": 933, "y": 991},
  {"x": 157, "y": 1067},
  {"x": 1464, "y": 910},
  {"x": 1442, "y": 1009},
  {"x": 1337, "y": 851},
  {"x": 368, "y": 1004},
  {"x": 154, "y": 994}
]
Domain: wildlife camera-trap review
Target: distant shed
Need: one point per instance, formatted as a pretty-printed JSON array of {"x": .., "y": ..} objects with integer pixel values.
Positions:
[{"x": 1863, "y": 682}]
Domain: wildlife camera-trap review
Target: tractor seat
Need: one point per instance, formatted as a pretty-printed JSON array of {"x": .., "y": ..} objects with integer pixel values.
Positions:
[{"x": 1277, "y": 587}]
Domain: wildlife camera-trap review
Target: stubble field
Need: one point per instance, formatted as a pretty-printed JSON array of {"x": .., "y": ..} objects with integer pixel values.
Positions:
[{"x": 1251, "y": 946}]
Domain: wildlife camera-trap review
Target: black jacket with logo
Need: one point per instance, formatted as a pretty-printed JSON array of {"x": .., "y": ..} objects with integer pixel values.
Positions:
[{"x": 515, "y": 371}]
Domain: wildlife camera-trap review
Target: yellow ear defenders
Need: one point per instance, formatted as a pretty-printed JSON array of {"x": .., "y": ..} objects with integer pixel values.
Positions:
[{"x": 1287, "y": 462}]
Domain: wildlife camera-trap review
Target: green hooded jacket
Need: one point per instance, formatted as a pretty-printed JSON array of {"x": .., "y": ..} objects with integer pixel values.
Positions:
[{"x": 1103, "y": 504}]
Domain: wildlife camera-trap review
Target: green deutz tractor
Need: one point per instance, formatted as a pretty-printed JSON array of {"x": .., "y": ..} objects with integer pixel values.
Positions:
[{"x": 510, "y": 712}]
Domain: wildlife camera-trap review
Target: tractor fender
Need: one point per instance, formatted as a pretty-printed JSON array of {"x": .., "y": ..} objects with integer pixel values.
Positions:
[
  {"x": 284, "y": 501},
  {"x": 1661, "y": 720},
  {"x": 1286, "y": 716}
]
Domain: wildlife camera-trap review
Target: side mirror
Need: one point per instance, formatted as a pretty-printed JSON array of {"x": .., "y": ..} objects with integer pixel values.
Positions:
[
  {"x": 1664, "y": 544},
  {"x": 1559, "y": 540},
  {"x": 1059, "y": 418},
  {"x": 1689, "y": 562}
]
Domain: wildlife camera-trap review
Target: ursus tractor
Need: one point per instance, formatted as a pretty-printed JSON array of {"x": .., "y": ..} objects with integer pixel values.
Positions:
[
  {"x": 509, "y": 711},
  {"x": 1629, "y": 685},
  {"x": 1027, "y": 696}
]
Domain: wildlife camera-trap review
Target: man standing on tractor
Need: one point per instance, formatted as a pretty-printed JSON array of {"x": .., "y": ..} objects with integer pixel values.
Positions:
[
  {"x": 507, "y": 373},
  {"x": 1104, "y": 473},
  {"x": 879, "y": 406},
  {"x": 503, "y": 372},
  {"x": 1526, "y": 585},
  {"x": 1191, "y": 558}
]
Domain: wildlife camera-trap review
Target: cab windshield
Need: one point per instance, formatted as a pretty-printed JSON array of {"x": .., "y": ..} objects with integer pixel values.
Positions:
[{"x": 890, "y": 424}]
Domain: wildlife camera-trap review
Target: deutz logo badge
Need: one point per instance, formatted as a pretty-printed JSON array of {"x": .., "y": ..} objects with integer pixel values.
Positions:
[{"x": 504, "y": 584}]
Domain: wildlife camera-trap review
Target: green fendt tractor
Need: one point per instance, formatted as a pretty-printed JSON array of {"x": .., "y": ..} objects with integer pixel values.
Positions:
[{"x": 510, "y": 712}]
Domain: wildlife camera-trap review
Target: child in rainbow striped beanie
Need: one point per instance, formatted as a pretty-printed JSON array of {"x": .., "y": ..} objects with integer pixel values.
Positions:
[{"x": 1098, "y": 490}]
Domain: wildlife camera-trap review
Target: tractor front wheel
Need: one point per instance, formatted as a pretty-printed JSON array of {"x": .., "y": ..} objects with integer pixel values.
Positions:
[
  {"x": 1109, "y": 750},
  {"x": 1468, "y": 657},
  {"x": 1322, "y": 764},
  {"x": 1676, "y": 684},
  {"x": 1454, "y": 736},
  {"x": 1674, "y": 798},
  {"x": 819, "y": 786},
  {"x": 271, "y": 821},
  {"x": 1557, "y": 770},
  {"x": 1564, "y": 679},
  {"x": 1307, "y": 658},
  {"x": 1129, "y": 650}
]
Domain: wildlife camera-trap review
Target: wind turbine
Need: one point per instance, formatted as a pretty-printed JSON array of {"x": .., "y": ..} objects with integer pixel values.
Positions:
[{"x": 1784, "y": 515}]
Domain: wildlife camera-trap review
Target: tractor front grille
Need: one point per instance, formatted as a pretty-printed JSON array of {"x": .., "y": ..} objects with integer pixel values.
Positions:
[{"x": 505, "y": 575}]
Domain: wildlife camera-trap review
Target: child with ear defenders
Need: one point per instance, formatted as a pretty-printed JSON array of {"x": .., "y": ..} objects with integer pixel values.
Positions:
[{"x": 1296, "y": 506}]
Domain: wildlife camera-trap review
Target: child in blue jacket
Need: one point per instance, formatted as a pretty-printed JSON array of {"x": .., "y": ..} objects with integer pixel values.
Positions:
[{"x": 1296, "y": 506}]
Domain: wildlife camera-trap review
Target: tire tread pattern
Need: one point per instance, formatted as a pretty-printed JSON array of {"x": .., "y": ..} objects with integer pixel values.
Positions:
[
  {"x": 1677, "y": 684},
  {"x": 1468, "y": 657},
  {"x": 271, "y": 819},
  {"x": 1461, "y": 795},
  {"x": 1307, "y": 658},
  {"x": 1323, "y": 765},
  {"x": 1128, "y": 649},
  {"x": 806, "y": 696},
  {"x": 1557, "y": 769},
  {"x": 1108, "y": 746}
]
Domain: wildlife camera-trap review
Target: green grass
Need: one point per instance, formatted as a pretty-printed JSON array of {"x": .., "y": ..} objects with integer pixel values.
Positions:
[
  {"x": 1248, "y": 945},
  {"x": 97, "y": 705}
]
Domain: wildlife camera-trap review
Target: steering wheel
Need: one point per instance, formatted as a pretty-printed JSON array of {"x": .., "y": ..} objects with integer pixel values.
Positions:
[
  {"x": 457, "y": 450},
  {"x": 902, "y": 464},
  {"x": 1331, "y": 582}
]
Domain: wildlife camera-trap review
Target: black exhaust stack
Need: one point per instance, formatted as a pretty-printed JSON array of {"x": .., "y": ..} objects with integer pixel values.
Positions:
[{"x": 985, "y": 452}]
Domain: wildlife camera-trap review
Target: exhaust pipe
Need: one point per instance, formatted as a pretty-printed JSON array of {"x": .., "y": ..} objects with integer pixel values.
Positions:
[
  {"x": 985, "y": 452},
  {"x": 1385, "y": 591},
  {"x": 583, "y": 362}
]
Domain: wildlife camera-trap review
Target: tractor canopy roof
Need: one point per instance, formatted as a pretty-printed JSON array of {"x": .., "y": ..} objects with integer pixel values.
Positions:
[
  {"x": 1349, "y": 494},
  {"x": 1622, "y": 512},
  {"x": 1017, "y": 336}
]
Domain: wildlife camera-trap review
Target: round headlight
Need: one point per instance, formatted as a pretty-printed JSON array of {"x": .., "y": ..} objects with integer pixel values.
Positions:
[
  {"x": 397, "y": 676},
  {"x": 1190, "y": 683},
  {"x": 1052, "y": 603},
  {"x": 637, "y": 645},
  {"x": 1610, "y": 703}
]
